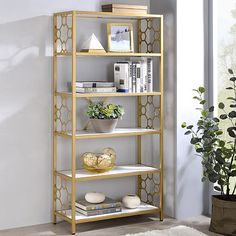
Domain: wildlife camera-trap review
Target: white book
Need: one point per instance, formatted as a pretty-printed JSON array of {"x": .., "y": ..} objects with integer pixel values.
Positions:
[
  {"x": 121, "y": 76},
  {"x": 130, "y": 76},
  {"x": 150, "y": 75},
  {"x": 94, "y": 84},
  {"x": 138, "y": 77},
  {"x": 96, "y": 90},
  {"x": 144, "y": 79}
]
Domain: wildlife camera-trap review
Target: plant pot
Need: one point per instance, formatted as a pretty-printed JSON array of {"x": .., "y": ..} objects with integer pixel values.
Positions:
[
  {"x": 223, "y": 219},
  {"x": 104, "y": 126}
]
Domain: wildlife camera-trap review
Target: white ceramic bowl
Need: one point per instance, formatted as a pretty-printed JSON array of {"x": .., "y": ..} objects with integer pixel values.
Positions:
[
  {"x": 131, "y": 201},
  {"x": 94, "y": 197}
]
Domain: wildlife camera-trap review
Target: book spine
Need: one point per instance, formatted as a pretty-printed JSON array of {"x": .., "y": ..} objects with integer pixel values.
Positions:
[
  {"x": 138, "y": 77},
  {"x": 130, "y": 77},
  {"x": 133, "y": 77},
  {"x": 149, "y": 75},
  {"x": 96, "y": 90},
  {"x": 98, "y": 206},
  {"x": 144, "y": 75},
  {"x": 99, "y": 212}
]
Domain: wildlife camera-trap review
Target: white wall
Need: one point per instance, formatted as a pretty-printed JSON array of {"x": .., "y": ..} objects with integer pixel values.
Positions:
[
  {"x": 185, "y": 69},
  {"x": 190, "y": 193},
  {"x": 26, "y": 108},
  {"x": 168, "y": 9}
]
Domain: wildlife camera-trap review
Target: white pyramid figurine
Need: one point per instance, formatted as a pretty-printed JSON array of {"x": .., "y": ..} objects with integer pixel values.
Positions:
[{"x": 92, "y": 45}]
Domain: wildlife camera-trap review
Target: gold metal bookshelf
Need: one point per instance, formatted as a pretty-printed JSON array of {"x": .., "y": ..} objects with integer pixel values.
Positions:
[{"x": 65, "y": 182}]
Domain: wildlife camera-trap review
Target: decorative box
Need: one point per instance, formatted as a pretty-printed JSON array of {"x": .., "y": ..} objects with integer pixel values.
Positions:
[{"x": 125, "y": 8}]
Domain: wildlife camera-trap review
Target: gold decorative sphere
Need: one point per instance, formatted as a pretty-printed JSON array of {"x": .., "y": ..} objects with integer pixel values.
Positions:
[{"x": 99, "y": 162}]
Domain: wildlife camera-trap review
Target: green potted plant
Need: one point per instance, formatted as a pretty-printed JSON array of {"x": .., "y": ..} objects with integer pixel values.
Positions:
[
  {"x": 217, "y": 149},
  {"x": 104, "y": 117}
]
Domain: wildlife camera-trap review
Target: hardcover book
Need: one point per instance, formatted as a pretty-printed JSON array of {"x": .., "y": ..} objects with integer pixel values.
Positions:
[
  {"x": 91, "y": 84},
  {"x": 96, "y": 90},
  {"x": 108, "y": 203},
  {"x": 94, "y": 84},
  {"x": 99, "y": 212},
  {"x": 121, "y": 76}
]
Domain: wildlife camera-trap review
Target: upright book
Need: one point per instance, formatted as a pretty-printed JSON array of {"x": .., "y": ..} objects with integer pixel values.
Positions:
[{"x": 121, "y": 76}]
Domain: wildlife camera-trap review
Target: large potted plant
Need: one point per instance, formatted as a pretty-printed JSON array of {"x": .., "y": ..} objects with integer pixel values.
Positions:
[
  {"x": 104, "y": 117},
  {"x": 217, "y": 149}
]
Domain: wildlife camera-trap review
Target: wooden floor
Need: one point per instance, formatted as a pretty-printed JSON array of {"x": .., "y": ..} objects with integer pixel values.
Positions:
[{"x": 111, "y": 227}]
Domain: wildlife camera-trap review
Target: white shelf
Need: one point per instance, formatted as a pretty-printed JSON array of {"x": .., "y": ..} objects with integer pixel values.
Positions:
[
  {"x": 118, "y": 132},
  {"x": 142, "y": 209},
  {"x": 118, "y": 171},
  {"x": 117, "y": 94}
]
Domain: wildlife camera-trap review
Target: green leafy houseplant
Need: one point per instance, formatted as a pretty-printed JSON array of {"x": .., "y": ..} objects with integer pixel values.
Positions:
[
  {"x": 218, "y": 155},
  {"x": 103, "y": 116},
  {"x": 100, "y": 110}
]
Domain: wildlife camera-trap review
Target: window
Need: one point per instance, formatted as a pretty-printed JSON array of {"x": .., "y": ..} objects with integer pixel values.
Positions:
[{"x": 224, "y": 53}]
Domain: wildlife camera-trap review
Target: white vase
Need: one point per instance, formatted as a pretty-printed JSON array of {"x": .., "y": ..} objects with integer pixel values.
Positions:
[
  {"x": 131, "y": 201},
  {"x": 94, "y": 197}
]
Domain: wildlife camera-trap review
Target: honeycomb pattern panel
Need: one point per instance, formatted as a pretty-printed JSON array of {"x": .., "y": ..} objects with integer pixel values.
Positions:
[
  {"x": 149, "y": 35},
  {"x": 63, "y": 33},
  {"x": 149, "y": 111},
  {"x": 63, "y": 114},
  {"x": 150, "y": 189},
  {"x": 62, "y": 193}
]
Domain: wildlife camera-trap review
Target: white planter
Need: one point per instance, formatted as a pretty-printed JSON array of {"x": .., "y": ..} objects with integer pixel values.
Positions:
[
  {"x": 94, "y": 197},
  {"x": 131, "y": 201}
]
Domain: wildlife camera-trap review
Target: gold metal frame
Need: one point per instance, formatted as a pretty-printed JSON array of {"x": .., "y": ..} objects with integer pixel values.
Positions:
[
  {"x": 109, "y": 25},
  {"x": 65, "y": 103}
]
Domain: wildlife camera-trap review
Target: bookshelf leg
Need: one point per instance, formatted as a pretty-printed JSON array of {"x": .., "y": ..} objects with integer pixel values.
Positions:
[
  {"x": 54, "y": 220},
  {"x": 73, "y": 228},
  {"x": 161, "y": 216}
]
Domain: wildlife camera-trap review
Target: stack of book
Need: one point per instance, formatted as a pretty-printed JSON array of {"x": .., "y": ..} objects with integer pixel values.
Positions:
[
  {"x": 134, "y": 76},
  {"x": 94, "y": 87},
  {"x": 106, "y": 207}
]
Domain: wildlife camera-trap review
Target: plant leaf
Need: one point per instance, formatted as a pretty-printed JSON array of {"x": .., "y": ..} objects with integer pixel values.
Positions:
[
  {"x": 232, "y": 132},
  {"x": 204, "y": 113},
  {"x": 188, "y": 132},
  {"x": 229, "y": 88},
  {"x": 211, "y": 109},
  {"x": 190, "y": 127},
  {"x": 221, "y": 105},
  {"x": 203, "y": 102},
  {"x": 217, "y": 188},
  {"x": 216, "y": 119},
  {"x": 230, "y": 71},
  {"x": 223, "y": 116},
  {"x": 232, "y": 114},
  {"x": 183, "y": 125},
  {"x": 233, "y": 79},
  {"x": 201, "y": 89},
  {"x": 197, "y": 98},
  {"x": 231, "y": 98},
  {"x": 199, "y": 150}
]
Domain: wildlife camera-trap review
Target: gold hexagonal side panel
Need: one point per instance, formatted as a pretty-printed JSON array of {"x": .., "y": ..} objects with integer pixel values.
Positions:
[
  {"x": 63, "y": 33},
  {"x": 150, "y": 189},
  {"x": 62, "y": 193},
  {"x": 149, "y": 111},
  {"x": 63, "y": 114},
  {"x": 149, "y": 35}
]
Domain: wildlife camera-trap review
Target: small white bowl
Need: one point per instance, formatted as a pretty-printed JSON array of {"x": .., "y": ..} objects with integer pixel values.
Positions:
[{"x": 94, "y": 197}]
